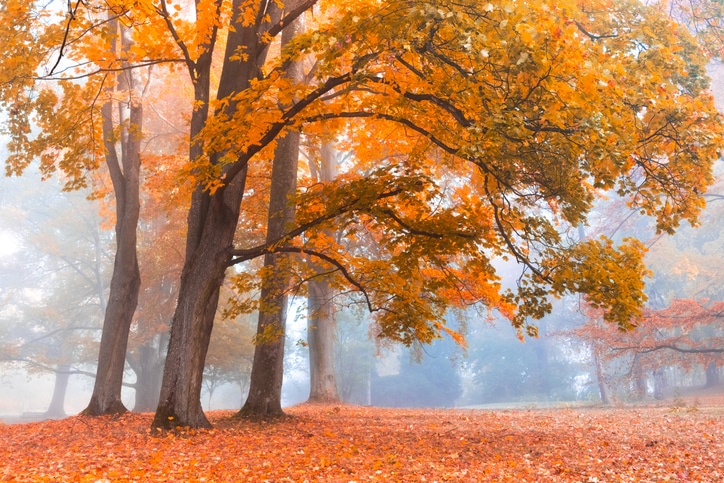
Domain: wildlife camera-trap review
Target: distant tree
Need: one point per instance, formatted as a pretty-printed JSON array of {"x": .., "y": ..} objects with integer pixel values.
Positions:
[
  {"x": 504, "y": 370},
  {"x": 354, "y": 355},
  {"x": 681, "y": 328},
  {"x": 55, "y": 284},
  {"x": 230, "y": 355},
  {"x": 433, "y": 381}
]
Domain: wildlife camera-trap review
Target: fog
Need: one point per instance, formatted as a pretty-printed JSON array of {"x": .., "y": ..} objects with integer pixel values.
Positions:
[{"x": 56, "y": 258}]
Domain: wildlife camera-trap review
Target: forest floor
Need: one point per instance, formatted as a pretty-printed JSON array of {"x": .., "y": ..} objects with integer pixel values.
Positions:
[{"x": 682, "y": 441}]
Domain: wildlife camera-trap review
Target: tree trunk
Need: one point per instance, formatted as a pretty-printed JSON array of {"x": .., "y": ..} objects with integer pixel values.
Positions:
[
  {"x": 639, "y": 381},
  {"x": 321, "y": 322},
  {"x": 56, "y": 409},
  {"x": 126, "y": 278},
  {"x": 148, "y": 367},
  {"x": 267, "y": 371},
  {"x": 265, "y": 385},
  {"x": 212, "y": 223},
  {"x": 201, "y": 279},
  {"x": 600, "y": 377},
  {"x": 321, "y": 335},
  {"x": 540, "y": 346},
  {"x": 659, "y": 384},
  {"x": 712, "y": 375}
]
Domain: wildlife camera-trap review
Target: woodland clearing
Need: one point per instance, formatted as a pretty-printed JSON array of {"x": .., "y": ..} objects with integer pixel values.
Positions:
[{"x": 676, "y": 442}]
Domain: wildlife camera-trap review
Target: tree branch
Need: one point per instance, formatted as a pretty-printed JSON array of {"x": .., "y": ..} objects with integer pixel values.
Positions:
[
  {"x": 646, "y": 350},
  {"x": 333, "y": 261},
  {"x": 243, "y": 254}
]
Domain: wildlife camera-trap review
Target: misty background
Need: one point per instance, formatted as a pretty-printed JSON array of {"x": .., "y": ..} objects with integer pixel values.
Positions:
[{"x": 56, "y": 253}]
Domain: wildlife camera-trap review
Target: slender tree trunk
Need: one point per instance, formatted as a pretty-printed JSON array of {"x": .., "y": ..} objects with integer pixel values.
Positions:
[
  {"x": 321, "y": 322},
  {"x": 56, "y": 409},
  {"x": 148, "y": 366},
  {"x": 639, "y": 381},
  {"x": 126, "y": 278},
  {"x": 265, "y": 386},
  {"x": 600, "y": 377},
  {"x": 321, "y": 335},
  {"x": 267, "y": 371},
  {"x": 541, "y": 352}
]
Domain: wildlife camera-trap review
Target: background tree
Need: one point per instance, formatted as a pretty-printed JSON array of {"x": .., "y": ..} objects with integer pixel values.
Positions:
[
  {"x": 321, "y": 303},
  {"x": 58, "y": 63},
  {"x": 55, "y": 283},
  {"x": 230, "y": 355},
  {"x": 431, "y": 381}
]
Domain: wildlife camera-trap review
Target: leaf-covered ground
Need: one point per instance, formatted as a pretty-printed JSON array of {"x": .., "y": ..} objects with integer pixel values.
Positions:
[{"x": 360, "y": 444}]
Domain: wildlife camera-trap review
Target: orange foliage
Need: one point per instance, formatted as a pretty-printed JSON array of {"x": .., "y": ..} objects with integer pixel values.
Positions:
[
  {"x": 685, "y": 334},
  {"x": 346, "y": 444}
]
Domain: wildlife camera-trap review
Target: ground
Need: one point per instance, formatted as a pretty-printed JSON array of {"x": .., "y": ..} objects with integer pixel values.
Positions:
[{"x": 682, "y": 441}]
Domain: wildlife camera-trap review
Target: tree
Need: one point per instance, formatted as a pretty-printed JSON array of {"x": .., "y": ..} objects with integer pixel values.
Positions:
[
  {"x": 504, "y": 126},
  {"x": 55, "y": 284},
  {"x": 230, "y": 355},
  {"x": 124, "y": 170},
  {"x": 321, "y": 305},
  {"x": 267, "y": 371},
  {"x": 431, "y": 381},
  {"x": 680, "y": 328},
  {"x": 58, "y": 63}
]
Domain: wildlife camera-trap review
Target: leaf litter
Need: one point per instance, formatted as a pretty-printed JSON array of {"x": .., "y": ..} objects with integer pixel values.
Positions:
[{"x": 361, "y": 444}]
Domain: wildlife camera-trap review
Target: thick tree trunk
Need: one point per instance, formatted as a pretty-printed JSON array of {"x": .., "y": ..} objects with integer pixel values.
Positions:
[
  {"x": 321, "y": 336},
  {"x": 211, "y": 225},
  {"x": 126, "y": 278},
  {"x": 321, "y": 321},
  {"x": 203, "y": 274},
  {"x": 56, "y": 409},
  {"x": 267, "y": 372}
]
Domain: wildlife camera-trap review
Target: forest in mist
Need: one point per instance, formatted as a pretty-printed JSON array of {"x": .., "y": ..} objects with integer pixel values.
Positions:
[
  {"x": 57, "y": 255},
  {"x": 398, "y": 204}
]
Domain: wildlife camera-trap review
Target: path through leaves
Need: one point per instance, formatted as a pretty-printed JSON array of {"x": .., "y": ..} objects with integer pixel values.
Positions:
[{"x": 361, "y": 444}]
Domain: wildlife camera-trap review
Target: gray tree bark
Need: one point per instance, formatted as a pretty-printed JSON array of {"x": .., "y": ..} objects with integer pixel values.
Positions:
[
  {"x": 321, "y": 321},
  {"x": 211, "y": 227},
  {"x": 712, "y": 375},
  {"x": 126, "y": 278},
  {"x": 56, "y": 408},
  {"x": 267, "y": 372}
]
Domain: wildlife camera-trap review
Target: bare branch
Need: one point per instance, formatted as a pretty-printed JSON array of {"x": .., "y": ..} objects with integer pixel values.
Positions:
[{"x": 646, "y": 350}]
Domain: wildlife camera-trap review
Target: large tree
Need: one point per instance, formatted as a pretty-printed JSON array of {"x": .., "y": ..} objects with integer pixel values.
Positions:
[
  {"x": 498, "y": 95},
  {"x": 122, "y": 136}
]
